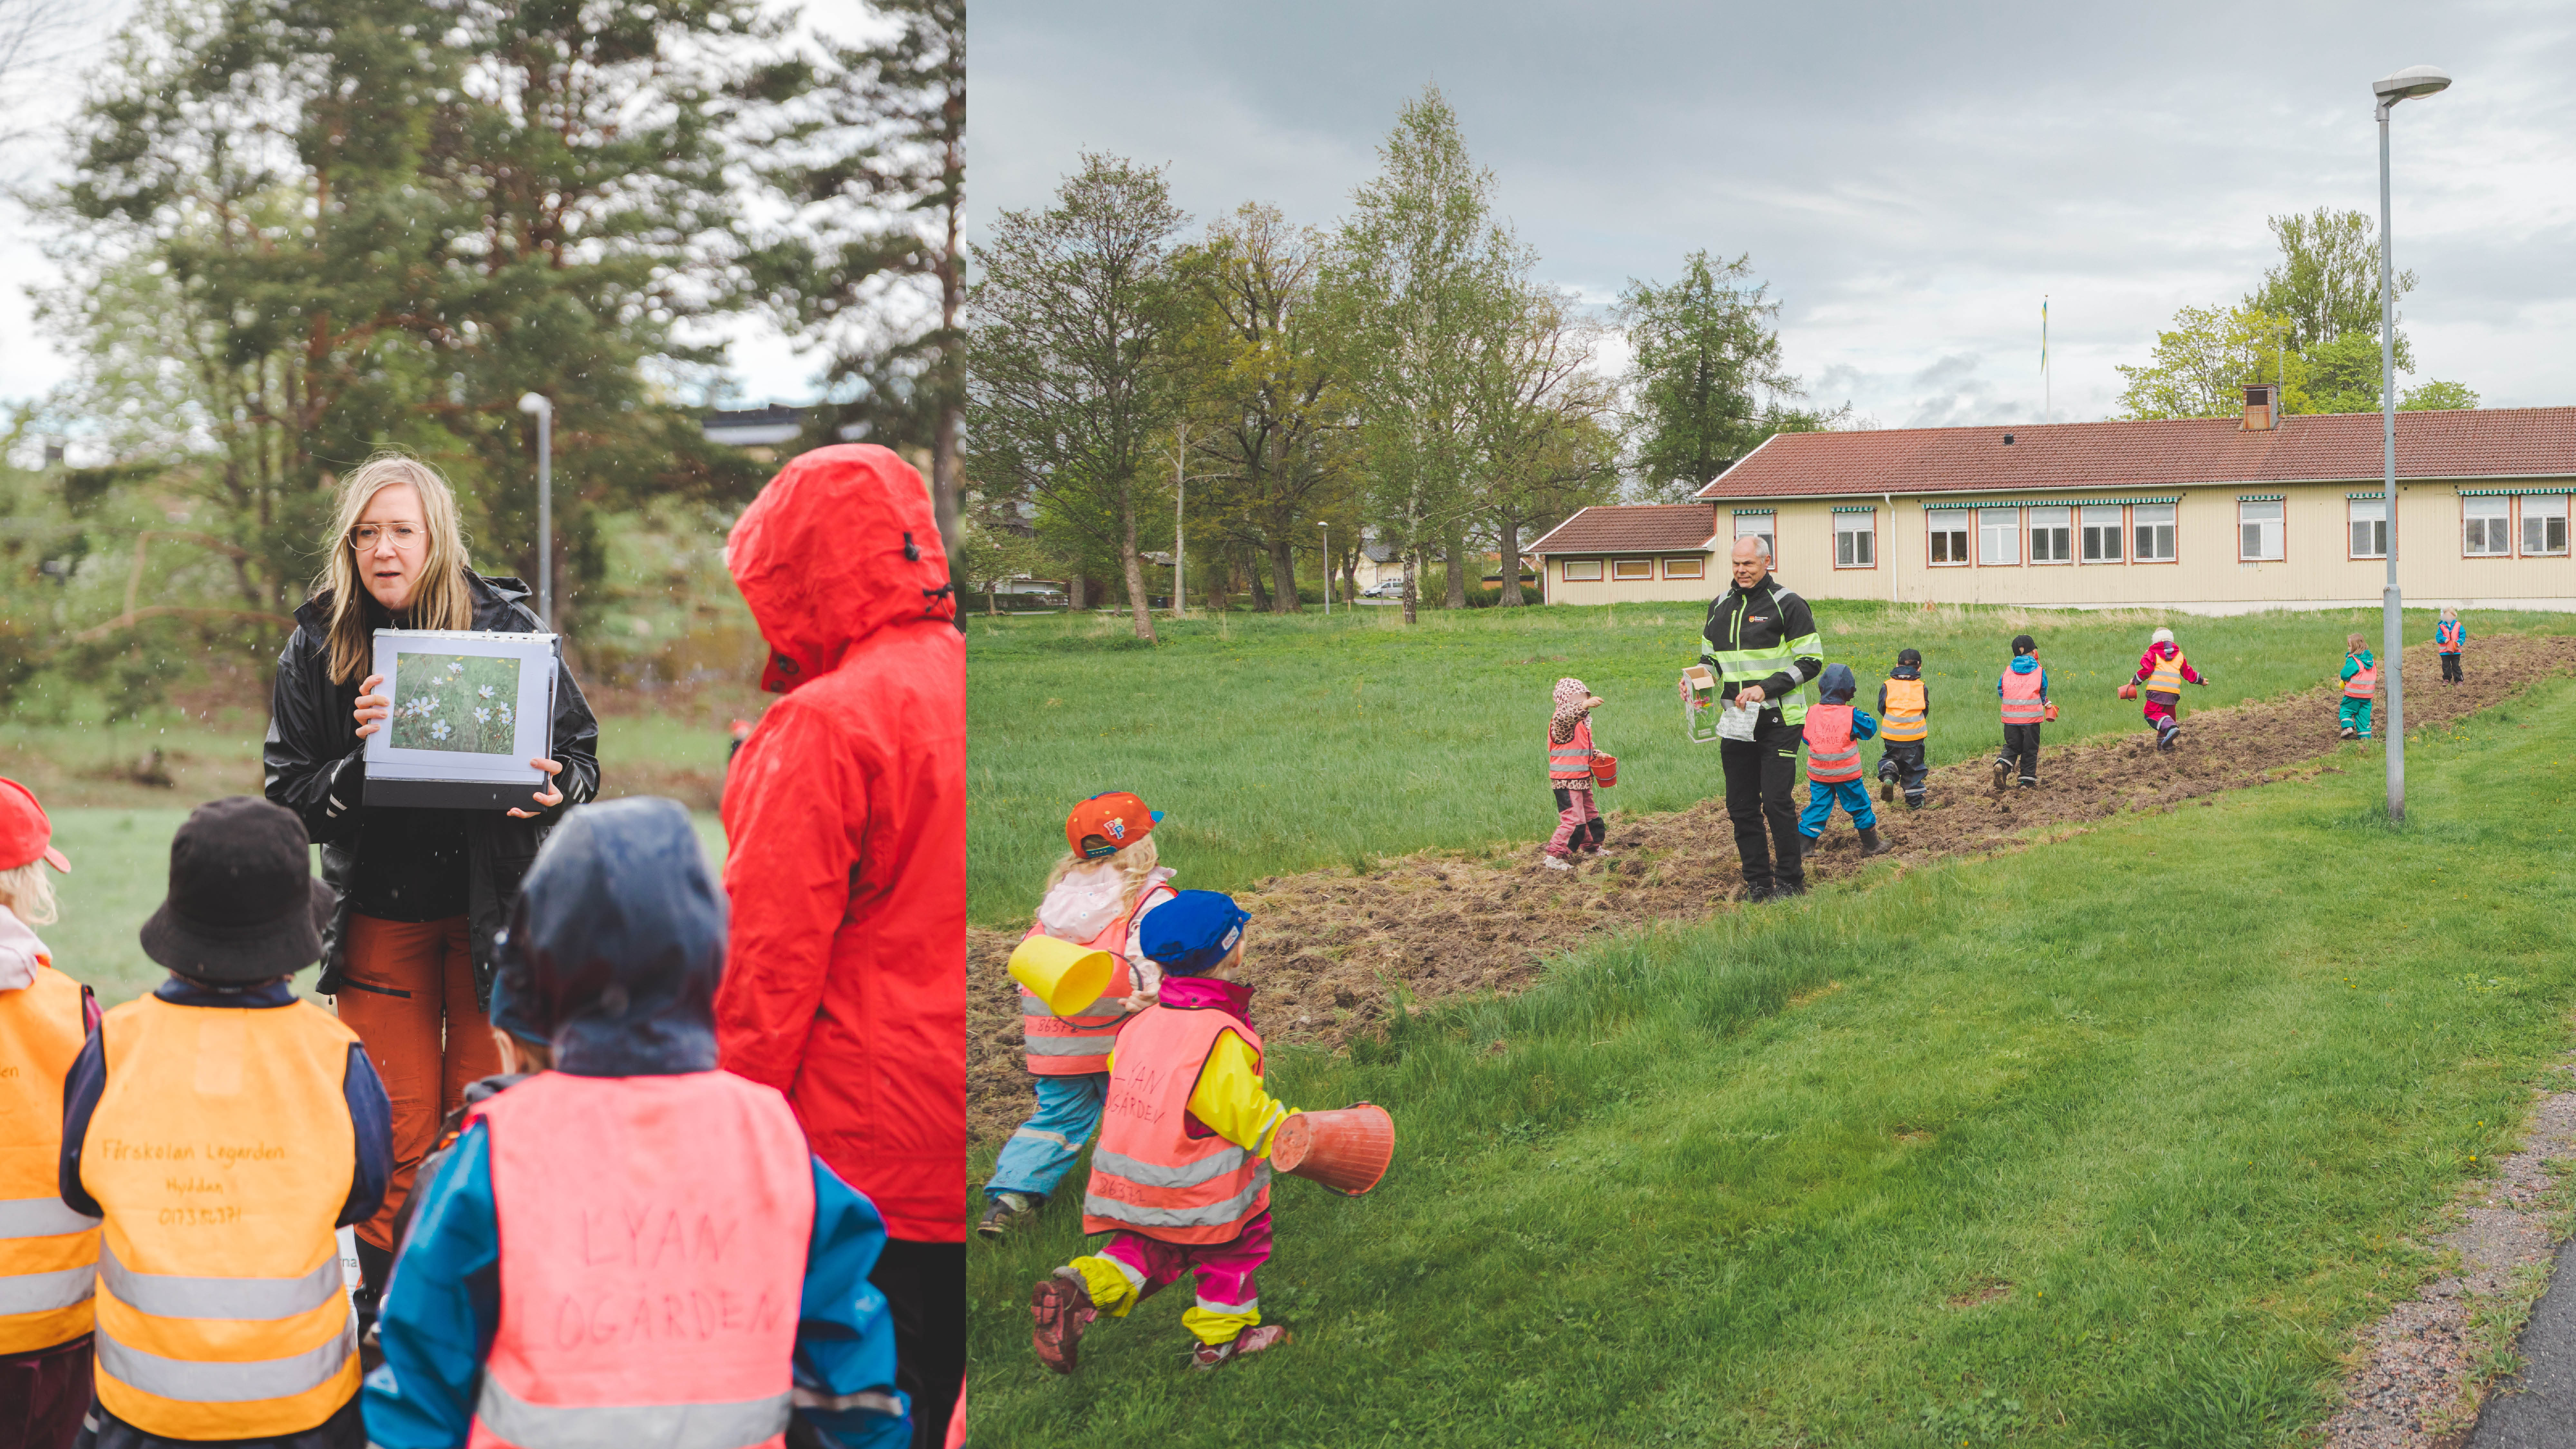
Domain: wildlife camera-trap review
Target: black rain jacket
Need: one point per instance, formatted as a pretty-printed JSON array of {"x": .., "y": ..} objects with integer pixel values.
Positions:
[{"x": 317, "y": 768}]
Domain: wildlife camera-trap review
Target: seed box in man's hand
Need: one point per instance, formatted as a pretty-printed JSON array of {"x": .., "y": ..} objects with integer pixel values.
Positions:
[{"x": 470, "y": 710}]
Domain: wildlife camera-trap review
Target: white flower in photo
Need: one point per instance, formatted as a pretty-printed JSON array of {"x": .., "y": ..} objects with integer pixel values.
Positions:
[
  {"x": 439, "y": 731},
  {"x": 484, "y": 693},
  {"x": 482, "y": 716},
  {"x": 501, "y": 712},
  {"x": 456, "y": 666}
]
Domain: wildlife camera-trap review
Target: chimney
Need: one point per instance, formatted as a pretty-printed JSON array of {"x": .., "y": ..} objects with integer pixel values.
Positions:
[{"x": 2262, "y": 406}]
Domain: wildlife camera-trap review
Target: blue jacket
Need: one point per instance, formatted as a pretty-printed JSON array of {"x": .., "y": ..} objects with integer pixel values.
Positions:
[{"x": 2024, "y": 664}]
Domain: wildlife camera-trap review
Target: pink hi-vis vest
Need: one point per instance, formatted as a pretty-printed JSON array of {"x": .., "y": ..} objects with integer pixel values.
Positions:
[
  {"x": 2022, "y": 704},
  {"x": 653, "y": 1234},
  {"x": 1571, "y": 761},
  {"x": 2364, "y": 682},
  {"x": 1074, "y": 1046},
  {"x": 1832, "y": 755},
  {"x": 2446, "y": 636},
  {"x": 1149, "y": 1175}
]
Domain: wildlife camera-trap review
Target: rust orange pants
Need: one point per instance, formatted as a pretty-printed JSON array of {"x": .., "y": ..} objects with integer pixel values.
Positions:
[{"x": 409, "y": 995}]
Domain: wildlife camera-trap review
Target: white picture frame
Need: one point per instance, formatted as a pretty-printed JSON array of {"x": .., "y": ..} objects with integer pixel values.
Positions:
[{"x": 470, "y": 709}]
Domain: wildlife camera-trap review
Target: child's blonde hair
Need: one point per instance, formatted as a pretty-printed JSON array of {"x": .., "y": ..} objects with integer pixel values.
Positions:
[
  {"x": 522, "y": 1056},
  {"x": 2354, "y": 642},
  {"x": 30, "y": 896},
  {"x": 1134, "y": 862}
]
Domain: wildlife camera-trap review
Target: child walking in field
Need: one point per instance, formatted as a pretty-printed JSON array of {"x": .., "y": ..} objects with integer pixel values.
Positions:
[
  {"x": 2162, "y": 672},
  {"x": 1904, "y": 725},
  {"x": 47, "y": 1259},
  {"x": 1579, "y": 827},
  {"x": 1834, "y": 731},
  {"x": 2360, "y": 681},
  {"x": 1098, "y": 896},
  {"x": 2023, "y": 688},
  {"x": 1181, "y": 1182},
  {"x": 2447, "y": 637}
]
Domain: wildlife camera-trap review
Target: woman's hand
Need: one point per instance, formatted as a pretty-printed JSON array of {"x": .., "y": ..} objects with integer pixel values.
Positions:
[
  {"x": 372, "y": 707},
  {"x": 547, "y": 798}
]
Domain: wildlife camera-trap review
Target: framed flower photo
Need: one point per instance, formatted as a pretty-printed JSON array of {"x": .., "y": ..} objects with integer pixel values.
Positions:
[{"x": 470, "y": 709}]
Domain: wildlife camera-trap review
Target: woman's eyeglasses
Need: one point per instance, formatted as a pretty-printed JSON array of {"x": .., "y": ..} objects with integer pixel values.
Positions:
[{"x": 367, "y": 535}]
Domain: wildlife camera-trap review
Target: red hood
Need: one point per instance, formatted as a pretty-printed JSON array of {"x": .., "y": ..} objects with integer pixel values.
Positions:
[{"x": 840, "y": 544}]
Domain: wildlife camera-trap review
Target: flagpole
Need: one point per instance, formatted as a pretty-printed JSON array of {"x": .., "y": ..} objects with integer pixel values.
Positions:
[{"x": 2047, "y": 392}]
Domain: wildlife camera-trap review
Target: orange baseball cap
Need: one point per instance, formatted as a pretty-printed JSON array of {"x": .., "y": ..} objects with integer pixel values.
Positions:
[
  {"x": 1106, "y": 824},
  {"x": 26, "y": 835}
]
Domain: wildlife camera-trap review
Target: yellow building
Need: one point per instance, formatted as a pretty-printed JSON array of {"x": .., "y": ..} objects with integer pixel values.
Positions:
[{"x": 2205, "y": 515}]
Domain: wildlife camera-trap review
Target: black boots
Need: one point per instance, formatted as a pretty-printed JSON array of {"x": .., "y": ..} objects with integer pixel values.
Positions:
[{"x": 1871, "y": 844}]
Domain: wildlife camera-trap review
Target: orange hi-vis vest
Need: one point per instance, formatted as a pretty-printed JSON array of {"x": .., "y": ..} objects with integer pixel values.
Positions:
[
  {"x": 222, "y": 1152},
  {"x": 1074, "y": 1046},
  {"x": 1572, "y": 761},
  {"x": 653, "y": 1238},
  {"x": 2446, "y": 636},
  {"x": 1908, "y": 709},
  {"x": 2166, "y": 678},
  {"x": 48, "y": 1253},
  {"x": 1833, "y": 756},
  {"x": 1149, "y": 1175},
  {"x": 2364, "y": 682},
  {"x": 2021, "y": 701}
]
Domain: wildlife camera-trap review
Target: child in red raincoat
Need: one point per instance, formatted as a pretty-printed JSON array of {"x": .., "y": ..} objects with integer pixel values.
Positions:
[{"x": 2162, "y": 671}]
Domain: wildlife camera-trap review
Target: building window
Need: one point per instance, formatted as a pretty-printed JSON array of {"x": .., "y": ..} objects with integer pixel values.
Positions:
[
  {"x": 2544, "y": 523},
  {"x": 1999, "y": 535},
  {"x": 2153, "y": 528},
  {"x": 1855, "y": 540},
  {"x": 2101, "y": 527},
  {"x": 1758, "y": 525},
  {"x": 1693, "y": 567},
  {"x": 1633, "y": 568},
  {"x": 1582, "y": 570},
  {"x": 2258, "y": 529},
  {"x": 2369, "y": 527},
  {"x": 2484, "y": 524},
  {"x": 1949, "y": 535},
  {"x": 2052, "y": 535}
]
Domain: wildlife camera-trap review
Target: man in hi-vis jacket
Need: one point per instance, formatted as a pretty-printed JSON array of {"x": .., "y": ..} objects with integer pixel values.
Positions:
[{"x": 1762, "y": 645}]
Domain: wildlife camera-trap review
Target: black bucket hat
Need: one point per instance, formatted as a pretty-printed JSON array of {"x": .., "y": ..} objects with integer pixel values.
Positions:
[{"x": 243, "y": 903}]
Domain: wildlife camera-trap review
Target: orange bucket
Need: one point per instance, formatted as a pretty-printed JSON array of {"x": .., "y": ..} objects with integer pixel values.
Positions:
[
  {"x": 1346, "y": 1150},
  {"x": 2129, "y": 691},
  {"x": 1605, "y": 770}
]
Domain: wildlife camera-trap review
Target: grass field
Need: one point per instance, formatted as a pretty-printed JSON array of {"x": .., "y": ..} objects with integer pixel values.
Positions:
[
  {"x": 1285, "y": 744},
  {"x": 2108, "y": 1142}
]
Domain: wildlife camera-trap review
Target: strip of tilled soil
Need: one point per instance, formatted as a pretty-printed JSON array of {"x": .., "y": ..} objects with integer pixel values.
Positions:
[{"x": 1332, "y": 945}]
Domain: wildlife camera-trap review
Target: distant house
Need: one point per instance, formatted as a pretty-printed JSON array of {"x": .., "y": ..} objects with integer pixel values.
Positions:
[
  {"x": 1615, "y": 554},
  {"x": 752, "y": 427}
]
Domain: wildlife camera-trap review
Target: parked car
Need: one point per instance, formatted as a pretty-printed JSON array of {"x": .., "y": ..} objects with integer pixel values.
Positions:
[{"x": 1384, "y": 589}]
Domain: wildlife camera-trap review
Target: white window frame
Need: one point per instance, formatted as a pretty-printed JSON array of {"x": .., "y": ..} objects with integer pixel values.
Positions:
[
  {"x": 2553, "y": 509},
  {"x": 2486, "y": 527},
  {"x": 1619, "y": 570},
  {"x": 2145, "y": 546},
  {"x": 1856, "y": 540},
  {"x": 2262, "y": 530},
  {"x": 1694, "y": 566},
  {"x": 1950, "y": 529},
  {"x": 1591, "y": 570},
  {"x": 2051, "y": 530},
  {"x": 1758, "y": 525},
  {"x": 1998, "y": 538},
  {"x": 2366, "y": 528},
  {"x": 2100, "y": 523}
]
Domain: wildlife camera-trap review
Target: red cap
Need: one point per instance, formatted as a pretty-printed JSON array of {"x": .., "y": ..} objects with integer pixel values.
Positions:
[
  {"x": 1106, "y": 824},
  {"x": 25, "y": 834}
]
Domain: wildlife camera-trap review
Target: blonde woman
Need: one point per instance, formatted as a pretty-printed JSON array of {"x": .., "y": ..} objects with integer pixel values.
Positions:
[{"x": 422, "y": 892}]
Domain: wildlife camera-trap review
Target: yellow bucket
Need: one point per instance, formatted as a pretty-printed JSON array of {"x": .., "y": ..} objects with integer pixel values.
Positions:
[{"x": 1067, "y": 977}]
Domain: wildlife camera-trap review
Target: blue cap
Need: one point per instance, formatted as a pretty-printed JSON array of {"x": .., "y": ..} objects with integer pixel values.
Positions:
[{"x": 1192, "y": 931}]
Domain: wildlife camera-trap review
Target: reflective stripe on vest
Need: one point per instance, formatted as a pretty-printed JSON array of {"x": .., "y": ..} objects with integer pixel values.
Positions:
[
  {"x": 2364, "y": 682},
  {"x": 1740, "y": 666},
  {"x": 222, "y": 1152},
  {"x": 2446, "y": 637},
  {"x": 1074, "y": 1046},
  {"x": 655, "y": 1304},
  {"x": 1148, "y": 1173},
  {"x": 1832, "y": 755},
  {"x": 2021, "y": 701},
  {"x": 1907, "y": 710},
  {"x": 47, "y": 1251},
  {"x": 2166, "y": 678},
  {"x": 1573, "y": 759}
]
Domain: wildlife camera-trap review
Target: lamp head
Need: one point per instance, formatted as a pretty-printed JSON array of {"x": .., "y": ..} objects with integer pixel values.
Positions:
[
  {"x": 2414, "y": 80},
  {"x": 535, "y": 403}
]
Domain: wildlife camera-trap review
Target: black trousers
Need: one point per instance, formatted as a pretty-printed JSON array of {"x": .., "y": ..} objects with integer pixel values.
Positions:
[
  {"x": 925, "y": 1286},
  {"x": 2450, "y": 669},
  {"x": 2021, "y": 748},
  {"x": 1902, "y": 761},
  {"x": 1759, "y": 774}
]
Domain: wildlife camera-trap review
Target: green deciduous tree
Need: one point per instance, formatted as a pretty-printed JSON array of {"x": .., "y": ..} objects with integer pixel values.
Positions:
[
  {"x": 2327, "y": 283},
  {"x": 2203, "y": 362},
  {"x": 1705, "y": 382}
]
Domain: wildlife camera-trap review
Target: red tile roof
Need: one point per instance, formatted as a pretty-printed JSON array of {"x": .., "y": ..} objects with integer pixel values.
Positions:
[
  {"x": 1633, "y": 528},
  {"x": 2339, "y": 447}
]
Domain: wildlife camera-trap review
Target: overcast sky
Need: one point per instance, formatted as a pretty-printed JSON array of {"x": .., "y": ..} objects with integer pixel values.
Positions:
[{"x": 1910, "y": 178}]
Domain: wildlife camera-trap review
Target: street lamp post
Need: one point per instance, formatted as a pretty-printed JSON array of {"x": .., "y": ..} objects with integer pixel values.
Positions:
[
  {"x": 542, "y": 408},
  {"x": 2414, "y": 80},
  {"x": 1328, "y": 567}
]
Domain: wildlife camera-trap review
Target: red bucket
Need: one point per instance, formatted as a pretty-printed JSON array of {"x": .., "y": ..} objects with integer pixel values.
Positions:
[
  {"x": 2128, "y": 691},
  {"x": 1605, "y": 770},
  {"x": 1346, "y": 1150}
]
